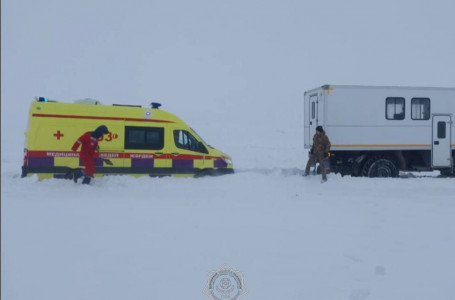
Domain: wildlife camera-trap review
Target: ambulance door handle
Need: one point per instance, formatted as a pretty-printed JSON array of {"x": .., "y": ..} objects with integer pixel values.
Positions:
[
  {"x": 436, "y": 142},
  {"x": 175, "y": 153},
  {"x": 159, "y": 153}
]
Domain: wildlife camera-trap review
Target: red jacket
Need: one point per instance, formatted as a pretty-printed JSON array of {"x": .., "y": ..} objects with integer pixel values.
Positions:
[{"x": 89, "y": 145}]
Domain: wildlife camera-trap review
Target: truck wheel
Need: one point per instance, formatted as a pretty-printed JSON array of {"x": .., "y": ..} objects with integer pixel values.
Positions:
[{"x": 379, "y": 167}]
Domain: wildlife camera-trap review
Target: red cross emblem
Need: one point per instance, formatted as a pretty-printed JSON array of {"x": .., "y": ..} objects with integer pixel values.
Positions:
[{"x": 58, "y": 134}]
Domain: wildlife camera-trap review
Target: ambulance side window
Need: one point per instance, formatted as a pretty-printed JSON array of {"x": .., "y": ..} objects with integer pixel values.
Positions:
[
  {"x": 147, "y": 138},
  {"x": 185, "y": 140}
]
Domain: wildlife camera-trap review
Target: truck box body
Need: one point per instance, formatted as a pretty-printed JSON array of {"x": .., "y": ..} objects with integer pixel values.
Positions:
[{"x": 412, "y": 127}]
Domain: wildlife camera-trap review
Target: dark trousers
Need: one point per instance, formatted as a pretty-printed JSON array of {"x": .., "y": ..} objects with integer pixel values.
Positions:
[{"x": 314, "y": 158}]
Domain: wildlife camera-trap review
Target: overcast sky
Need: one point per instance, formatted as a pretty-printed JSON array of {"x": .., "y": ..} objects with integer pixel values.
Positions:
[{"x": 214, "y": 56}]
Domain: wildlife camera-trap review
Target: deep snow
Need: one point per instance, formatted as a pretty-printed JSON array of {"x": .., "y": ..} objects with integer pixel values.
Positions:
[{"x": 292, "y": 237}]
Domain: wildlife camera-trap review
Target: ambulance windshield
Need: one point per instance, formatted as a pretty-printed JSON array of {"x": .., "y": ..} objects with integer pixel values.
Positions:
[{"x": 201, "y": 139}]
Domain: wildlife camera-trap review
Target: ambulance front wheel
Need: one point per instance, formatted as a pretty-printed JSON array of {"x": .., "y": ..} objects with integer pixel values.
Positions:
[{"x": 205, "y": 172}]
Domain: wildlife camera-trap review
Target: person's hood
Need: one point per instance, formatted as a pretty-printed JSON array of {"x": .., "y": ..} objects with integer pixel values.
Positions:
[{"x": 98, "y": 132}]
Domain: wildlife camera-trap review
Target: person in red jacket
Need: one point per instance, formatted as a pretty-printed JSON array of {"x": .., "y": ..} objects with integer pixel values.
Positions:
[{"x": 89, "y": 143}]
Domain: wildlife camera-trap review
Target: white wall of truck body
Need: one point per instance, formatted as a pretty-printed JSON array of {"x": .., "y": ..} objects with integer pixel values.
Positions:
[{"x": 355, "y": 119}]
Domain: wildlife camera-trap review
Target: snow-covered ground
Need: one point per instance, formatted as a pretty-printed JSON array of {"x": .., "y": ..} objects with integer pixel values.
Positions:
[{"x": 292, "y": 237}]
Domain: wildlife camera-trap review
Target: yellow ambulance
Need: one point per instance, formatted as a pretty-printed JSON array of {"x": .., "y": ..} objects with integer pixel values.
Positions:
[{"x": 141, "y": 141}]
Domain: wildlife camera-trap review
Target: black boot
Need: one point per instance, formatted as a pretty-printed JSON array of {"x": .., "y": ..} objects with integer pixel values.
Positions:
[
  {"x": 86, "y": 180},
  {"x": 76, "y": 175}
]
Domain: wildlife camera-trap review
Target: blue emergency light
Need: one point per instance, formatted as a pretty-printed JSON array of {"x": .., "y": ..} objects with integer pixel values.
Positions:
[
  {"x": 42, "y": 99},
  {"x": 155, "y": 105}
]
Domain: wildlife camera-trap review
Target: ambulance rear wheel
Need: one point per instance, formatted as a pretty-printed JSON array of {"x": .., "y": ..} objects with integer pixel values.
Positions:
[{"x": 378, "y": 166}]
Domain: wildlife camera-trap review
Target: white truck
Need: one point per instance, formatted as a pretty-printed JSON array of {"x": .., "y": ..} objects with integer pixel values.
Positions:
[{"x": 377, "y": 131}]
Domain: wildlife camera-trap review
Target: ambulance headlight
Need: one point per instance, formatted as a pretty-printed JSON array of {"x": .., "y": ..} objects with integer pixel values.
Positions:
[{"x": 227, "y": 160}]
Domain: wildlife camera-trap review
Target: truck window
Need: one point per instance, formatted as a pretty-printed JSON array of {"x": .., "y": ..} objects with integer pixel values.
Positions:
[
  {"x": 441, "y": 130},
  {"x": 313, "y": 100},
  {"x": 185, "y": 140},
  {"x": 394, "y": 108},
  {"x": 420, "y": 108},
  {"x": 145, "y": 138}
]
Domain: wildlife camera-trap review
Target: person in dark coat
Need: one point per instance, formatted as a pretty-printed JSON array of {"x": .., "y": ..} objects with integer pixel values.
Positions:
[
  {"x": 89, "y": 143},
  {"x": 319, "y": 151}
]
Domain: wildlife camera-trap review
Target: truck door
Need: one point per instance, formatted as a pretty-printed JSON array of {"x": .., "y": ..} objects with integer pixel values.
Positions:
[
  {"x": 441, "y": 156},
  {"x": 313, "y": 109}
]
